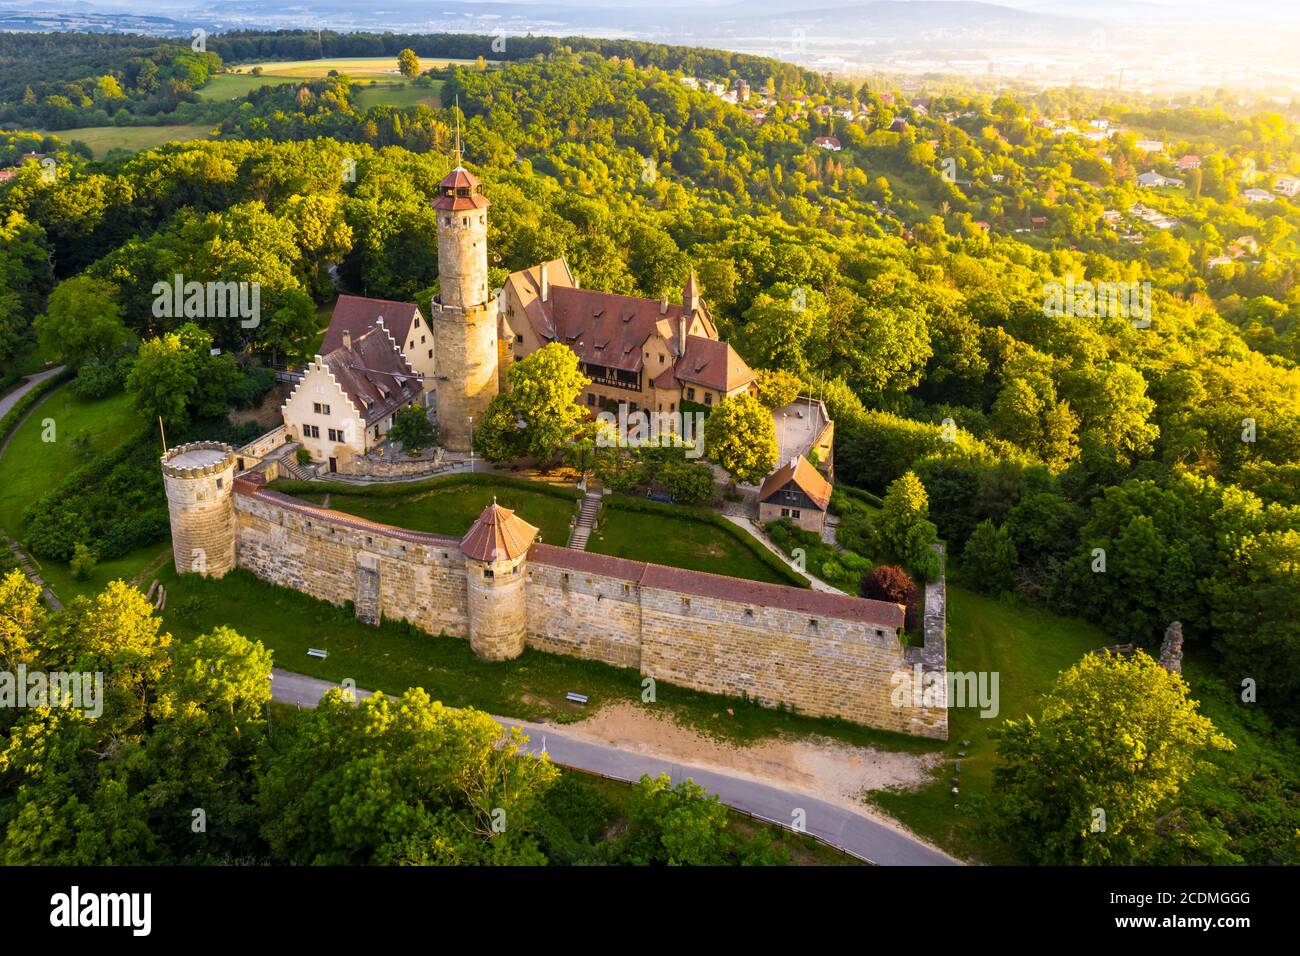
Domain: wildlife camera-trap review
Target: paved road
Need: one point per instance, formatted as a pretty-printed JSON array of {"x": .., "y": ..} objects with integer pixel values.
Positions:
[
  {"x": 852, "y": 832},
  {"x": 12, "y": 398}
]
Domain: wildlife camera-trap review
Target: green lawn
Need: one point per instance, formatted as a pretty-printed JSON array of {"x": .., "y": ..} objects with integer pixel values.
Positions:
[
  {"x": 1027, "y": 648},
  {"x": 101, "y": 139},
  {"x": 151, "y": 558},
  {"x": 233, "y": 86},
  {"x": 31, "y": 465},
  {"x": 677, "y": 542},
  {"x": 398, "y": 94},
  {"x": 449, "y": 506}
]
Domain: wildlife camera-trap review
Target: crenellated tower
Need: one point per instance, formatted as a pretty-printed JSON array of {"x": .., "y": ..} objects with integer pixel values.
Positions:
[
  {"x": 200, "y": 483},
  {"x": 464, "y": 315}
]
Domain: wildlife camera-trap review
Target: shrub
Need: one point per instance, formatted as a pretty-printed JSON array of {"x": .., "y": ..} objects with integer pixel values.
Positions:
[
  {"x": 83, "y": 561},
  {"x": 98, "y": 380},
  {"x": 304, "y": 456},
  {"x": 891, "y": 583},
  {"x": 411, "y": 427},
  {"x": 689, "y": 483},
  {"x": 990, "y": 558}
]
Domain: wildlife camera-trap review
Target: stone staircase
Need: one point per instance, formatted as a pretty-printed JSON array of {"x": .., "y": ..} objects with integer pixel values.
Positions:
[
  {"x": 289, "y": 464},
  {"x": 586, "y": 521}
]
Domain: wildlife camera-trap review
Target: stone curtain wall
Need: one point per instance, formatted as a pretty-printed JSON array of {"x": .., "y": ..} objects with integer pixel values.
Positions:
[
  {"x": 834, "y": 668},
  {"x": 421, "y": 576},
  {"x": 592, "y": 607}
]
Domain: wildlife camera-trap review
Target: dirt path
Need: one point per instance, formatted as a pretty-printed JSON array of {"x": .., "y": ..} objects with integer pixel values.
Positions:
[{"x": 835, "y": 772}]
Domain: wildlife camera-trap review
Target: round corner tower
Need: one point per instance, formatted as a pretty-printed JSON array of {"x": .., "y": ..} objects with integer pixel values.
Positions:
[
  {"x": 200, "y": 483},
  {"x": 464, "y": 316},
  {"x": 496, "y": 553}
]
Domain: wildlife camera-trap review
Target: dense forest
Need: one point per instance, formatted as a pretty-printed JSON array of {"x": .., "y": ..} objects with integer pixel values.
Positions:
[{"x": 901, "y": 277}]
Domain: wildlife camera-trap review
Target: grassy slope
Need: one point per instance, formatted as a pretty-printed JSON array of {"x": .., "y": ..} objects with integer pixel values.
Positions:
[
  {"x": 31, "y": 467},
  {"x": 677, "y": 542},
  {"x": 401, "y": 95},
  {"x": 231, "y": 86},
  {"x": 1027, "y": 648}
]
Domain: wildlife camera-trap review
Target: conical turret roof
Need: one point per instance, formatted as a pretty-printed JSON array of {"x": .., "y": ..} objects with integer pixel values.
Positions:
[{"x": 498, "y": 535}]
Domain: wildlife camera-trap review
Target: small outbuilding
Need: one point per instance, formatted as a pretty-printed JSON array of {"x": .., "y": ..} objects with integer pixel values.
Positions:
[{"x": 796, "y": 491}]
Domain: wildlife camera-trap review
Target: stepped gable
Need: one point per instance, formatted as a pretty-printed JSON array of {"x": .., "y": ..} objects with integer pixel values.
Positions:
[
  {"x": 356, "y": 315},
  {"x": 498, "y": 535},
  {"x": 878, "y": 614},
  {"x": 373, "y": 374}
]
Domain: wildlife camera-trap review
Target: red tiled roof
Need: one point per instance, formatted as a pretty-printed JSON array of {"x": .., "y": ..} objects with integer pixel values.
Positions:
[
  {"x": 373, "y": 374},
  {"x": 799, "y": 472},
  {"x": 880, "y": 614},
  {"x": 244, "y": 485},
  {"x": 498, "y": 535},
  {"x": 357, "y": 315},
  {"x": 712, "y": 364},
  {"x": 604, "y": 328},
  {"x": 459, "y": 191}
]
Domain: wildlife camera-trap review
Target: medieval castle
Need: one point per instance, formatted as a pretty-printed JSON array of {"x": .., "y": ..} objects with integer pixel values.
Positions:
[{"x": 498, "y": 586}]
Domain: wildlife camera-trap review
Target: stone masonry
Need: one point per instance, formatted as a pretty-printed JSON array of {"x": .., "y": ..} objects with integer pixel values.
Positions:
[{"x": 817, "y": 654}]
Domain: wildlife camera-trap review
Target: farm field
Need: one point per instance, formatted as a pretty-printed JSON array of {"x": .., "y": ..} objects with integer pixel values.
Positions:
[
  {"x": 231, "y": 86},
  {"x": 357, "y": 66},
  {"x": 101, "y": 139}
]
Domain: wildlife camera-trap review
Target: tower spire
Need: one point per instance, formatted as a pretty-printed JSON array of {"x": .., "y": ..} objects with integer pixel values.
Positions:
[{"x": 458, "y": 156}]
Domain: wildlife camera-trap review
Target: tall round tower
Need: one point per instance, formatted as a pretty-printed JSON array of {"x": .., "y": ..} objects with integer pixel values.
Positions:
[
  {"x": 496, "y": 550},
  {"x": 464, "y": 316},
  {"x": 200, "y": 483}
]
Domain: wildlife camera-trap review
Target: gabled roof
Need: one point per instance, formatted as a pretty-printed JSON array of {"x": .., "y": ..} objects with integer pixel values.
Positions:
[
  {"x": 877, "y": 614},
  {"x": 527, "y": 286},
  {"x": 800, "y": 473},
  {"x": 358, "y": 315},
  {"x": 373, "y": 374},
  {"x": 713, "y": 364},
  {"x": 498, "y": 535}
]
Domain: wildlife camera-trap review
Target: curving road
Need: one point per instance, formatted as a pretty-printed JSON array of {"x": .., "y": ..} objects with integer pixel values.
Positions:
[
  {"x": 10, "y": 399},
  {"x": 854, "y": 833}
]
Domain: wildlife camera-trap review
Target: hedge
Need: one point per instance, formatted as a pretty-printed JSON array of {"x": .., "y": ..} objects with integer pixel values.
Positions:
[
  {"x": 24, "y": 405},
  {"x": 645, "y": 506},
  {"x": 404, "y": 489},
  {"x": 861, "y": 495}
]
